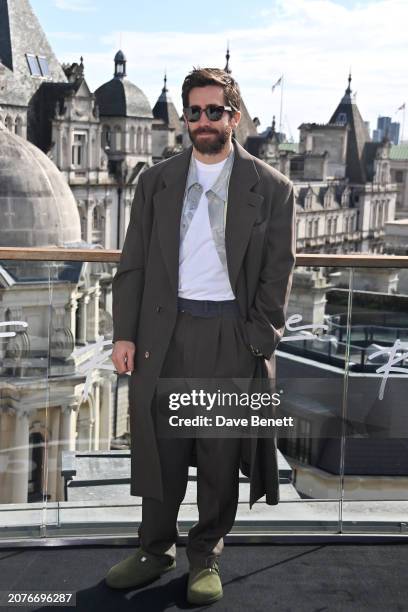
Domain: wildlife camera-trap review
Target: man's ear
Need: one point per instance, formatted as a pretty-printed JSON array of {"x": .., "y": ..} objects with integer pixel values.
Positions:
[{"x": 236, "y": 117}]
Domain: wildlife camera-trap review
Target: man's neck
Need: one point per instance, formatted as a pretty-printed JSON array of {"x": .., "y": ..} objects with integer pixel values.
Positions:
[{"x": 209, "y": 158}]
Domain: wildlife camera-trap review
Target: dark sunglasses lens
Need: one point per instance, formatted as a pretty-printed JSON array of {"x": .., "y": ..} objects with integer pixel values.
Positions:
[
  {"x": 214, "y": 113},
  {"x": 193, "y": 113}
]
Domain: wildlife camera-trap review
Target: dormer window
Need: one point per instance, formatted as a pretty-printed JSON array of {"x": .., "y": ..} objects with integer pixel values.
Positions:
[
  {"x": 33, "y": 64},
  {"x": 309, "y": 200},
  {"x": 38, "y": 65},
  {"x": 341, "y": 119},
  {"x": 43, "y": 65}
]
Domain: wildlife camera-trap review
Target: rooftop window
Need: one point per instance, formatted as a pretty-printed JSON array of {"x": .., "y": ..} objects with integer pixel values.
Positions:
[
  {"x": 33, "y": 64},
  {"x": 43, "y": 65},
  {"x": 38, "y": 65},
  {"x": 341, "y": 119}
]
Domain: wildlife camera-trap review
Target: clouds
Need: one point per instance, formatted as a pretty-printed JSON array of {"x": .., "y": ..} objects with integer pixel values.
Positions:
[
  {"x": 80, "y": 6},
  {"x": 66, "y": 36},
  {"x": 312, "y": 42}
]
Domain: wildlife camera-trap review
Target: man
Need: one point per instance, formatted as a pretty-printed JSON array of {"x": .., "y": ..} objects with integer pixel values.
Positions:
[{"x": 201, "y": 291}]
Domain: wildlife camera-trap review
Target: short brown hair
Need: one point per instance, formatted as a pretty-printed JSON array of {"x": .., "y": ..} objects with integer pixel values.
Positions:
[{"x": 200, "y": 77}]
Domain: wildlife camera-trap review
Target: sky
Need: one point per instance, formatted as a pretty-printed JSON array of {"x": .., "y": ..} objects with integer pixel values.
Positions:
[{"x": 312, "y": 43}]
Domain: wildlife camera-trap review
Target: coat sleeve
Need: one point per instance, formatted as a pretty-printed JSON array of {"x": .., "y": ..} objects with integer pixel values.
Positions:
[
  {"x": 128, "y": 282},
  {"x": 265, "y": 324}
]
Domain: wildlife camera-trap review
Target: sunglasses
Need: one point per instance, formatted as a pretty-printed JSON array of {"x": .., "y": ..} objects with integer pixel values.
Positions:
[{"x": 213, "y": 112}]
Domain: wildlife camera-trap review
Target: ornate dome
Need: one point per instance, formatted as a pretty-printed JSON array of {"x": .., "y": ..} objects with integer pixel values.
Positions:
[
  {"x": 121, "y": 98},
  {"x": 37, "y": 208}
]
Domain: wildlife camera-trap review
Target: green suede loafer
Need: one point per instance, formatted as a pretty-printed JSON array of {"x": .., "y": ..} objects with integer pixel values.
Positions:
[
  {"x": 139, "y": 569},
  {"x": 204, "y": 584}
]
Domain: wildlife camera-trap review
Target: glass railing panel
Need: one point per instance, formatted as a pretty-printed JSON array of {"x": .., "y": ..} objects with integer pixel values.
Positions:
[
  {"x": 88, "y": 480},
  {"x": 65, "y": 441},
  {"x": 311, "y": 361},
  {"x": 376, "y": 446},
  {"x": 24, "y": 397},
  {"x": 90, "y": 477}
]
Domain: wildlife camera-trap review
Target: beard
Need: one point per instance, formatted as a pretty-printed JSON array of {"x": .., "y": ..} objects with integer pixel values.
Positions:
[{"x": 211, "y": 145}]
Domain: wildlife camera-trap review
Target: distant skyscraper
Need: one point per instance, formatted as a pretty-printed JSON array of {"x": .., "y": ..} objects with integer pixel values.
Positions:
[
  {"x": 394, "y": 132},
  {"x": 386, "y": 127},
  {"x": 383, "y": 123}
]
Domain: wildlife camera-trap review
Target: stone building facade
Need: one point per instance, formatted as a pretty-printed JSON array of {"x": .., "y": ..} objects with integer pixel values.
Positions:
[
  {"x": 399, "y": 175},
  {"x": 100, "y": 141},
  {"x": 345, "y": 192},
  {"x": 53, "y": 315}
]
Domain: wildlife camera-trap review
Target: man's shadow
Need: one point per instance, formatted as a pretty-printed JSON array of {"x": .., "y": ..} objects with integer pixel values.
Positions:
[{"x": 158, "y": 595}]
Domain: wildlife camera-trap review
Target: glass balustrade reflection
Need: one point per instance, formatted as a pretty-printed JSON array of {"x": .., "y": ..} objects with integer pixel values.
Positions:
[
  {"x": 89, "y": 416},
  {"x": 24, "y": 397},
  {"x": 93, "y": 467},
  {"x": 311, "y": 361},
  {"x": 376, "y": 451},
  {"x": 65, "y": 441}
]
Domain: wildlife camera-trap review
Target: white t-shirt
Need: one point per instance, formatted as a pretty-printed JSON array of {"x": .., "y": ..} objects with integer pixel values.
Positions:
[{"x": 201, "y": 273}]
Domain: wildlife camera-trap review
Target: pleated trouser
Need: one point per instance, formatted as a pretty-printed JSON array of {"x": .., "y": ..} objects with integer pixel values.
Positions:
[{"x": 200, "y": 347}]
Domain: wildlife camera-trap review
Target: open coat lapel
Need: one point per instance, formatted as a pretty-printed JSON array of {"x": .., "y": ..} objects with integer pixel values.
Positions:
[
  {"x": 243, "y": 209},
  {"x": 168, "y": 205}
]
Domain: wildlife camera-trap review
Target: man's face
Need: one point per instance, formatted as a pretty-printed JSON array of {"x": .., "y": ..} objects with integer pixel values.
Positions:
[{"x": 210, "y": 137}]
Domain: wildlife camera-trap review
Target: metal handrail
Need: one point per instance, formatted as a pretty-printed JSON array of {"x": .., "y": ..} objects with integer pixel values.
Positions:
[{"x": 362, "y": 260}]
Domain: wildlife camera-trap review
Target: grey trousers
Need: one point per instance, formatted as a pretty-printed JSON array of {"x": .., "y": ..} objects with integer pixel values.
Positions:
[{"x": 200, "y": 347}]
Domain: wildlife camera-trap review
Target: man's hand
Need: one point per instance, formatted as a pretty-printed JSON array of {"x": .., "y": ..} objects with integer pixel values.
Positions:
[{"x": 123, "y": 356}]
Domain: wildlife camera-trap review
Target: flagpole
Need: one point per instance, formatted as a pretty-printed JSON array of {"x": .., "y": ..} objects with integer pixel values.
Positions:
[
  {"x": 401, "y": 138},
  {"x": 281, "y": 103}
]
